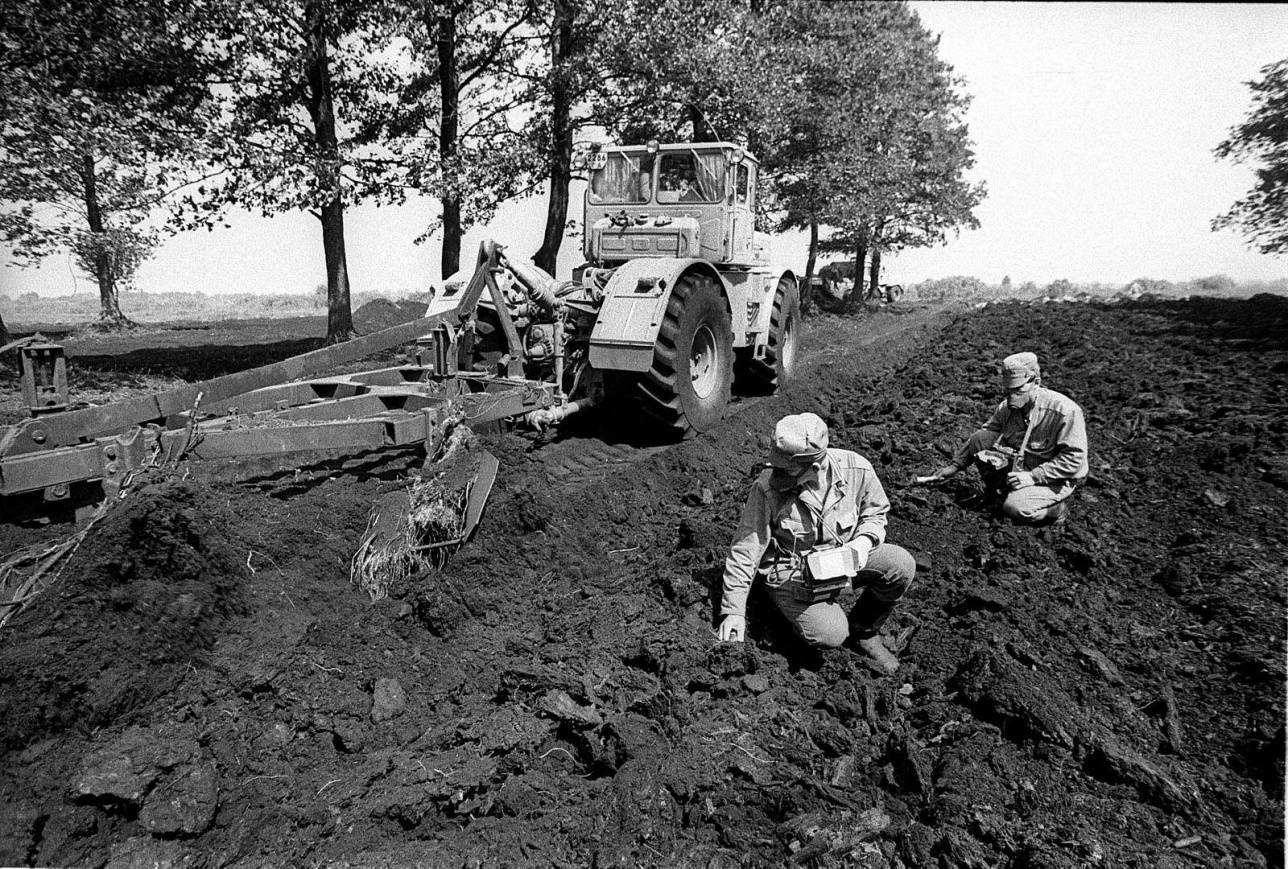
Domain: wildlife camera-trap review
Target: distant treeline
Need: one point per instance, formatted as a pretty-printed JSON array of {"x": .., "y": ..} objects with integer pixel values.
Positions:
[
  {"x": 968, "y": 287},
  {"x": 31, "y": 309}
]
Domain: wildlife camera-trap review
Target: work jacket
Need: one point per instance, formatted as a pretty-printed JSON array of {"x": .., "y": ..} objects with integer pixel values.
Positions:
[
  {"x": 1056, "y": 448},
  {"x": 779, "y": 528}
]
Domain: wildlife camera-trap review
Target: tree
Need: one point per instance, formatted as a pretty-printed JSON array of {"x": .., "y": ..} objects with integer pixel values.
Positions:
[
  {"x": 561, "y": 89},
  {"x": 297, "y": 70},
  {"x": 822, "y": 111},
  {"x": 451, "y": 125},
  {"x": 919, "y": 191},
  {"x": 1262, "y": 139},
  {"x": 102, "y": 103},
  {"x": 681, "y": 70},
  {"x": 872, "y": 143}
]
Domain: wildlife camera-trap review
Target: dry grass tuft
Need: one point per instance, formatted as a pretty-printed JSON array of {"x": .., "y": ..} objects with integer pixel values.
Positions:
[{"x": 416, "y": 530}]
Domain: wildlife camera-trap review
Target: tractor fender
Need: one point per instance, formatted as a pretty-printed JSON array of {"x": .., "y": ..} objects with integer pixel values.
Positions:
[{"x": 635, "y": 300}]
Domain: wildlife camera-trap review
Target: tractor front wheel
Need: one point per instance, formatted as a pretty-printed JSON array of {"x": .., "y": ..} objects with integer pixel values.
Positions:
[{"x": 686, "y": 390}]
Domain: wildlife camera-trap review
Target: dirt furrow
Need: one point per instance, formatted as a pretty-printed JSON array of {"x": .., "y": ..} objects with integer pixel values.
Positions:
[{"x": 1110, "y": 693}]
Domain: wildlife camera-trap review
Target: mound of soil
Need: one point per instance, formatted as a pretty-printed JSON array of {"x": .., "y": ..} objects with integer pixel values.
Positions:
[
  {"x": 381, "y": 314},
  {"x": 1106, "y": 693},
  {"x": 139, "y": 603}
]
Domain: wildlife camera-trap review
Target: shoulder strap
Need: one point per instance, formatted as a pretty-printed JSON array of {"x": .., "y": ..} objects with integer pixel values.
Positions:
[{"x": 1028, "y": 432}]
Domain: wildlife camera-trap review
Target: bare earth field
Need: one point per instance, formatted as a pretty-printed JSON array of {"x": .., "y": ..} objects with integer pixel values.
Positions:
[{"x": 203, "y": 687}]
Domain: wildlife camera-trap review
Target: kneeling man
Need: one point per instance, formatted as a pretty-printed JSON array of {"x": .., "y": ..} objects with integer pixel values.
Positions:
[
  {"x": 827, "y": 503},
  {"x": 1032, "y": 450}
]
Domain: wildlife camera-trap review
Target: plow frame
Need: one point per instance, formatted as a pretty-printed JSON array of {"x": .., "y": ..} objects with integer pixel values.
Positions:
[{"x": 272, "y": 411}]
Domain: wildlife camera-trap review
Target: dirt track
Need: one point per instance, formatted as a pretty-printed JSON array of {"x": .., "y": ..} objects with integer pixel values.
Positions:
[{"x": 204, "y": 687}]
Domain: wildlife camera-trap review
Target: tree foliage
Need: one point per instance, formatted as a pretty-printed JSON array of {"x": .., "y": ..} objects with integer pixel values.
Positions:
[
  {"x": 564, "y": 79},
  {"x": 680, "y": 70},
  {"x": 870, "y": 138},
  {"x": 1262, "y": 139},
  {"x": 102, "y": 102},
  {"x": 317, "y": 105},
  {"x": 455, "y": 126},
  {"x": 302, "y": 76}
]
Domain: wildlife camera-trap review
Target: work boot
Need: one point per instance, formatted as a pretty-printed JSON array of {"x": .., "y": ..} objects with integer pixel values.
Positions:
[
  {"x": 875, "y": 651},
  {"x": 1058, "y": 513}
]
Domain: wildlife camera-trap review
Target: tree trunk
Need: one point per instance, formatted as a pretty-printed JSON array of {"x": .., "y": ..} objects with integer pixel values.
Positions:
[
  {"x": 339, "y": 311},
  {"x": 874, "y": 279},
  {"x": 855, "y": 298},
  {"x": 874, "y": 242},
  {"x": 110, "y": 315},
  {"x": 448, "y": 131},
  {"x": 339, "y": 320},
  {"x": 702, "y": 130},
  {"x": 807, "y": 290},
  {"x": 4, "y": 333},
  {"x": 561, "y": 49}
]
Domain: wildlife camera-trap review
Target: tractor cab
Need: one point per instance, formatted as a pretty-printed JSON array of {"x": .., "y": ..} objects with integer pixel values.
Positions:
[{"x": 688, "y": 200}]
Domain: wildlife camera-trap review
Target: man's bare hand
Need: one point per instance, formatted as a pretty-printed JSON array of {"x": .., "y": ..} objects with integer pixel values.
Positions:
[
  {"x": 862, "y": 548},
  {"x": 733, "y": 628},
  {"x": 1019, "y": 480}
]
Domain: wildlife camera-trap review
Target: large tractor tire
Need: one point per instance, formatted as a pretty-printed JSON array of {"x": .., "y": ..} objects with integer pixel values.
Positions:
[
  {"x": 687, "y": 388},
  {"x": 766, "y": 375}
]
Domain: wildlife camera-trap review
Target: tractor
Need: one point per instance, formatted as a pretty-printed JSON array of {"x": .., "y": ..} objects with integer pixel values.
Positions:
[{"x": 674, "y": 301}]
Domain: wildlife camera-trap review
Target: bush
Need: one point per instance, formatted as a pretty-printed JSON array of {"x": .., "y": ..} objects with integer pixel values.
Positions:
[
  {"x": 955, "y": 287},
  {"x": 1141, "y": 286},
  {"x": 1214, "y": 284},
  {"x": 1059, "y": 288}
]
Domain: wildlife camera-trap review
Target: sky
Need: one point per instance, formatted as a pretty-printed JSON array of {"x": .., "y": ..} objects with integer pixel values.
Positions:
[{"x": 1093, "y": 124}]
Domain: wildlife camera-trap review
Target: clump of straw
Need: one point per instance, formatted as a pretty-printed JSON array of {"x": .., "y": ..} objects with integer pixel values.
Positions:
[
  {"x": 379, "y": 563},
  {"x": 415, "y": 530}
]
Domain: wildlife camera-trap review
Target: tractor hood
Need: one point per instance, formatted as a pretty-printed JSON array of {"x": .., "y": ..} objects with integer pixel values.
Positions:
[{"x": 625, "y": 236}]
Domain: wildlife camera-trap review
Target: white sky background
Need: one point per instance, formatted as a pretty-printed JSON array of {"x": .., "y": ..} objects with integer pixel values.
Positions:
[{"x": 1093, "y": 125}]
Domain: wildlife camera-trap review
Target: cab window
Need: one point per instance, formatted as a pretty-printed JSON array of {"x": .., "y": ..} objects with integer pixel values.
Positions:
[
  {"x": 625, "y": 178},
  {"x": 686, "y": 176},
  {"x": 743, "y": 185}
]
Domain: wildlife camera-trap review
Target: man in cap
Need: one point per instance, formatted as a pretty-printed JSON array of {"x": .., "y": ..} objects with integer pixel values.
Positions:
[
  {"x": 1033, "y": 448},
  {"x": 813, "y": 499}
]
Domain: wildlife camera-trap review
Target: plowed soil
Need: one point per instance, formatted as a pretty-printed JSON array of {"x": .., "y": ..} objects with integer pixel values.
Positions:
[{"x": 203, "y": 686}]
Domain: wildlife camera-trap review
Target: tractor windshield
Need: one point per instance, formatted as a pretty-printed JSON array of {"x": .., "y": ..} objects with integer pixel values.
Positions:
[
  {"x": 624, "y": 178},
  {"x": 687, "y": 176}
]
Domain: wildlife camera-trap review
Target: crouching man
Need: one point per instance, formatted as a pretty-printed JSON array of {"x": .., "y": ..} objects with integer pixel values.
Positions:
[
  {"x": 1033, "y": 449},
  {"x": 815, "y": 500}
]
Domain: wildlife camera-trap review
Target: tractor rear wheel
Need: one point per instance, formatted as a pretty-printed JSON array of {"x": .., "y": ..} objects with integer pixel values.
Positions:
[
  {"x": 779, "y": 365},
  {"x": 687, "y": 387}
]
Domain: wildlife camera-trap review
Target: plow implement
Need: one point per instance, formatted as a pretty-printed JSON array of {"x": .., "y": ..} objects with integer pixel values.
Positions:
[
  {"x": 267, "y": 411},
  {"x": 74, "y": 456}
]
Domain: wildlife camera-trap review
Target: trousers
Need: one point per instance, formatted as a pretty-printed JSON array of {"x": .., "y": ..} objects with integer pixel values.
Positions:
[
  {"x": 885, "y": 578},
  {"x": 1031, "y": 504}
]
